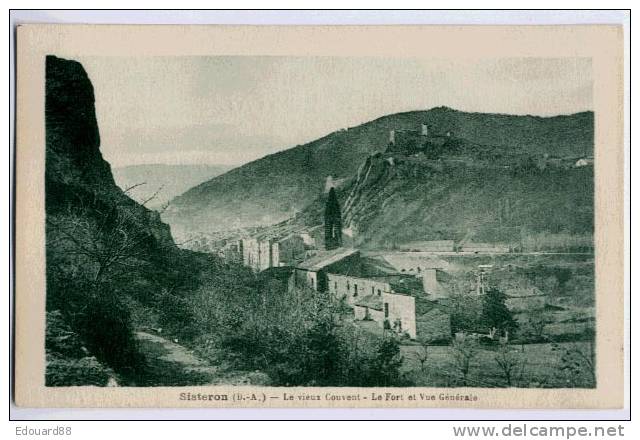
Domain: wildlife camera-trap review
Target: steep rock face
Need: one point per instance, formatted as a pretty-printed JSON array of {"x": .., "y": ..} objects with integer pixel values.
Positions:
[
  {"x": 395, "y": 199},
  {"x": 75, "y": 170},
  {"x": 72, "y": 136},
  {"x": 109, "y": 259},
  {"x": 275, "y": 187}
]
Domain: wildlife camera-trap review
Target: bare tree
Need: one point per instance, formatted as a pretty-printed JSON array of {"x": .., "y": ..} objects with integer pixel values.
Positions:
[
  {"x": 423, "y": 355},
  {"x": 509, "y": 362},
  {"x": 465, "y": 349},
  {"x": 536, "y": 324},
  {"x": 109, "y": 237}
]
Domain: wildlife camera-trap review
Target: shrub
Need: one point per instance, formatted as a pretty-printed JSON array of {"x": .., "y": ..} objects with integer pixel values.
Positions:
[
  {"x": 68, "y": 361},
  {"x": 107, "y": 330}
]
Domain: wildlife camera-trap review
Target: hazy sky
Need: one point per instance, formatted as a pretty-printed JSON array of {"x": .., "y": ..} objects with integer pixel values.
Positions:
[{"x": 231, "y": 110}]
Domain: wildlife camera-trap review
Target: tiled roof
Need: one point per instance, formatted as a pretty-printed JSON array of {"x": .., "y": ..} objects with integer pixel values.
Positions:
[{"x": 326, "y": 258}]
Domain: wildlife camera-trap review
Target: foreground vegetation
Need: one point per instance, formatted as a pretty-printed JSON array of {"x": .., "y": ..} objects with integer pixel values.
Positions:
[{"x": 102, "y": 288}]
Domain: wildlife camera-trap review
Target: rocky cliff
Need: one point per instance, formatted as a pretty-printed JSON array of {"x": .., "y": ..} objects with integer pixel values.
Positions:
[
  {"x": 75, "y": 171},
  {"x": 107, "y": 256},
  {"x": 394, "y": 200}
]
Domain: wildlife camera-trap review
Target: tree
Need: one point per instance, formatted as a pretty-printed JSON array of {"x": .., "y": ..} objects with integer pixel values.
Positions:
[
  {"x": 578, "y": 361},
  {"x": 386, "y": 363},
  {"x": 465, "y": 349},
  {"x": 536, "y": 323},
  {"x": 423, "y": 355},
  {"x": 509, "y": 362},
  {"x": 108, "y": 236},
  {"x": 97, "y": 245},
  {"x": 332, "y": 222},
  {"x": 465, "y": 311},
  {"x": 495, "y": 314}
]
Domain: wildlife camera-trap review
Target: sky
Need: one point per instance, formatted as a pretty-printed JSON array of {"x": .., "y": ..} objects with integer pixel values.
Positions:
[{"x": 231, "y": 110}]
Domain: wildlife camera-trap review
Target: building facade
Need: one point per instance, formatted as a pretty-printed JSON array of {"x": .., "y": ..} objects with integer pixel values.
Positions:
[
  {"x": 388, "y": 300},
  {"x": 313, "y": 273},
  {"x": 390, "y": 311},
  {"x": 263, "y": 252},
  {"x": 353, "y": 288}
]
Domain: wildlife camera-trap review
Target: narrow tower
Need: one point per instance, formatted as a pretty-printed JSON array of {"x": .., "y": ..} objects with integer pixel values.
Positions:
[{"x": 332, "y": 222}]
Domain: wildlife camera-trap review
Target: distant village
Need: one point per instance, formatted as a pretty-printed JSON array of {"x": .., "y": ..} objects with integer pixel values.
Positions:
[
  {"x": 405, "y": 296},
  {"x": 395, "y": 292}
]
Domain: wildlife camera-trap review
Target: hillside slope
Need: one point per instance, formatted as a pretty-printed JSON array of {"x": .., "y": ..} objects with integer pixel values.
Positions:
[
  {"x": 273, "y": 188},
  {"x": 111, "y": 264},
  {"x": 394, "y": 200}
]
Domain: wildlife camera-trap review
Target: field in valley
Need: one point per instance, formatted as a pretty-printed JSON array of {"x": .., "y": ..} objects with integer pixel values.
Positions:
[{"x": 536, "y": 366}]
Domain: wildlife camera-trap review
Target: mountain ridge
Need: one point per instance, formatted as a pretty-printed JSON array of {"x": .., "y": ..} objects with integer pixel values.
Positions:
[{"x": 271, "y": 189}]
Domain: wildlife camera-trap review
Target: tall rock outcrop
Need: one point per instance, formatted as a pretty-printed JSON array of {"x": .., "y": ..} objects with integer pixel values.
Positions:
[
  {"x": 104, "y": 251},
  {"x": 75, "y": 169}
]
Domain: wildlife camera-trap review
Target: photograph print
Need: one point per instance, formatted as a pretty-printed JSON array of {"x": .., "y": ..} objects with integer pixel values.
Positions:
[{"x": 319, "y": 221}]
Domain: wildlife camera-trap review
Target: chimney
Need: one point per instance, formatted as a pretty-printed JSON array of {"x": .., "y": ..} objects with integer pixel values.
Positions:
[
  {"x": 425, "y": 130},
  {"x": 392, "y": 136}
]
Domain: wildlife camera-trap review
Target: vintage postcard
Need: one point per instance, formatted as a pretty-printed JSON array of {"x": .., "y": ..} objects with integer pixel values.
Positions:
[{"x": 319, "y": 216}]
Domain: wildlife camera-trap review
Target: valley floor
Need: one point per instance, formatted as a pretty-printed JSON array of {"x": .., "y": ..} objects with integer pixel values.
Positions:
[{"x": 536, "y": 366}]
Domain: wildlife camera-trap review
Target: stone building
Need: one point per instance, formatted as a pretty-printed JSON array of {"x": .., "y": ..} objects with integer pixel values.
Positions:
[
  {"x": 390, "y": 310},
  {"x": 351, "y": 288},
  {"x": 231, "y": 251},
  {"x": 313, "y": 237},
  {"x": 266, "y": 251},
  {"x": 313, "y": 272},
  {"x": 419, "y": 140},
  {"x": 433, "y": 321},
  {"x": 393, "y": 301},
  {"x": 251, "y": 253},
  {"x": 406, "y": 141}
]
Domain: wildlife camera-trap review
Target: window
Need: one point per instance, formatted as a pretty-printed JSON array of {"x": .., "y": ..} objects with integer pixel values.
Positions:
[
  {"x": 373, "y": 290},
  {"x": 348, "y": 286},
  {"x": 386, "y": 310},
  {"x": 379, "y": 292},
  {"x": 355, "y": 290},
  {"x": 335, "y": 286}
]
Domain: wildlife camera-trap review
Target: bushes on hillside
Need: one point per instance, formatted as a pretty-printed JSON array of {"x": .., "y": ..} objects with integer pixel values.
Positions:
[
  {"x": 68, "y": 361},
  {"x": 297, "y": 337},
  {"x": 106, "y": 327}
]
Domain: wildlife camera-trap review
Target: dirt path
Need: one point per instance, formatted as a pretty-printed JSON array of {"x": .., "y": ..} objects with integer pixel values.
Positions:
[
  {"x": 171, "y": 364},
  {"x": 176, "y": 354}
]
